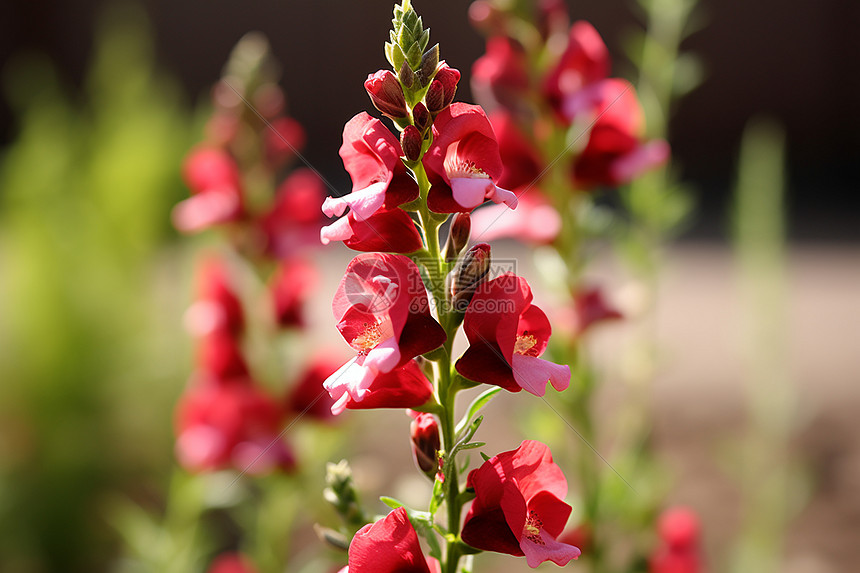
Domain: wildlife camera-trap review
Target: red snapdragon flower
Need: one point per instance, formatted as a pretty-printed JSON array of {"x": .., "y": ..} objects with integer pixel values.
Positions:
[
  {"x": 282, "y": 140},
  {"x": 293, "y": 222},
  {"x": 522, "y": 162},
  {"x": 389, "y": 546},
  {"x": 383, "y": 313},
  {"x": 289, "y": 287},
  {"x": 591, "y": 307},
  {"x": 614, "y": 153},
  {"x": 463, "y": 162},
  {"x": 307, "y": 396},
  {"x": 678, "y": 552},
  {"x": 501, "y": 75},
  {"x": 518, "y": 507},
  {"x": 584, "y": 62},
  {"x": 217, "y": 308},
  {"x": 371, "y": 155},
  {"x": 217, "y": 320},
  {"x": 507, "y": 334},
  {"x": 224, "y": 424},
  {"x": 216, "y": 193},
  {"x": 231, "y": 563}
]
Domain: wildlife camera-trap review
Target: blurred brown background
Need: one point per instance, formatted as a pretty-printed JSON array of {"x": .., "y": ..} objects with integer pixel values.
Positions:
[{"x": 794, "y": 61}]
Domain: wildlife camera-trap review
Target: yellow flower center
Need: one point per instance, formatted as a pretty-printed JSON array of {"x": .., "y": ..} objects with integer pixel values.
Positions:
[
  {"x": 531, "y": 530},
  {"x": 525, "y": 344},
  {"x": 458, "y": 168},
  {"x": 368, "y": 339}
]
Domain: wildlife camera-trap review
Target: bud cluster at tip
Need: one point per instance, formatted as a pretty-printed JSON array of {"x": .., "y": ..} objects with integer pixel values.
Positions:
[
  {"x": 340, "y": 492},
  {"x": 417, "y": 74}
]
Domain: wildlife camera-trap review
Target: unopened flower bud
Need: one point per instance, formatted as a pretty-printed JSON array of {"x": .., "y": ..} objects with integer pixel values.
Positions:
[
  {"x": 385, "y": 92},
  {"x": 470, "y": 272},
  {"x": 333, "y": 538},
  {"x": 429, "y": 61},
  {"x": 424, "y": 433},
  {"x": 421, "y": 117},
  {"x": 410, "y": 141},
  {"x": 435, "y": 97},
  {"x": 458, "y": 235},
  {"x": 449, "y": 78},
  {"x": 406, "y": 75}
]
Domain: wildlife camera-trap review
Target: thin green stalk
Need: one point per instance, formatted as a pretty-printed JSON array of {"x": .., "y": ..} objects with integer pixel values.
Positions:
[{"x": 444, "y": 383}]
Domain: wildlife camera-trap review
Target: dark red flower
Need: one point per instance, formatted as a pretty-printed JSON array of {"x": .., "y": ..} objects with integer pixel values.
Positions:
[
  {"x": 371, "y": 155},
  {"x": 217, "y": 308},
  {"x": 507, "y": 334},
  {"x": 383, "y": 313},
  {"x": 307, "y": 396},
  {"x": 518, "y": 507},
  {"x": 584, "y": 62},
  {"x": 523, "y": 165},
  {"x": 294, "y": 220},
  {"x": 386, "y": 93},
  {"x": 231, "y": 563},
  {"x": 678, "y": 551},
  {"x": 389, "y": 546},
  {"x": 288, "y": 289},
  {"x": 501, "y": 75},
  {"x": 220, "y": 356},
  {"x": 282, "y": 140},
  {"x": 230, "y": 424},
  {"x": 463, "y": 162},
  {"x": 591, "y": 307},
  {"x": 384, "y": 231},
  {"x": 614, "y": 153},
  {"x": 216, "y": 195}
]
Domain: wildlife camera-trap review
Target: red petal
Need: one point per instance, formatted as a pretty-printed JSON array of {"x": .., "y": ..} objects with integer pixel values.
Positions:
[
  {"x": 404, "y": 387},
  {"x": 534, "y": 322},
  {"x": 371, "y": 153},
  {"x": 460, "y": 122},
  {"x": 420, "y": 335},
  {"x": 493, "y": 314},
  {"x": 385, "y": 231},
  {"x": 388, "y": 546},
  {"x": 484, "y": 363}
]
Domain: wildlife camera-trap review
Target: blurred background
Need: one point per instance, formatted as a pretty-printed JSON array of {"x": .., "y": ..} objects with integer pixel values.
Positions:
[{"x": 100, "y": 101}]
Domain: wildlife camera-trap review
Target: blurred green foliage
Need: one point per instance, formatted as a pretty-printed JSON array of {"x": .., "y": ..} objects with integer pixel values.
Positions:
[{"x": 90, "y": 346}]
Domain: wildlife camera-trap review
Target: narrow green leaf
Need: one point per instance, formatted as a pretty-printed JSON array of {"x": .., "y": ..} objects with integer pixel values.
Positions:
[
  {"x": 477, "y": 404},
  {"x": 391, "y": 502}
]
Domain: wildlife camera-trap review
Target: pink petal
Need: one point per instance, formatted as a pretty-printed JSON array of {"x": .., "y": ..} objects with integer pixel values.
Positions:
[
  {"x": 206, "y": 209},
  {"x": 499, "y": 195},
  {"x": 532, "y": 374},
  {"x": 642, "y": 159},
  {"x": 340, "y": 230},
  {"x": 531, "y": 222},
  {"x": 364, "y": 202},
  {"x": 350, "y": 381},
  {"x": 470, "y": 192},
  {"x": 549, "y": 550},
  {"x": 384, "y": 357}
]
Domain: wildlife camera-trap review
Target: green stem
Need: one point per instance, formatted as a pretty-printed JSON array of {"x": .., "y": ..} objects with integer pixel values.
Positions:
[{"x": 445, "y": 386}]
